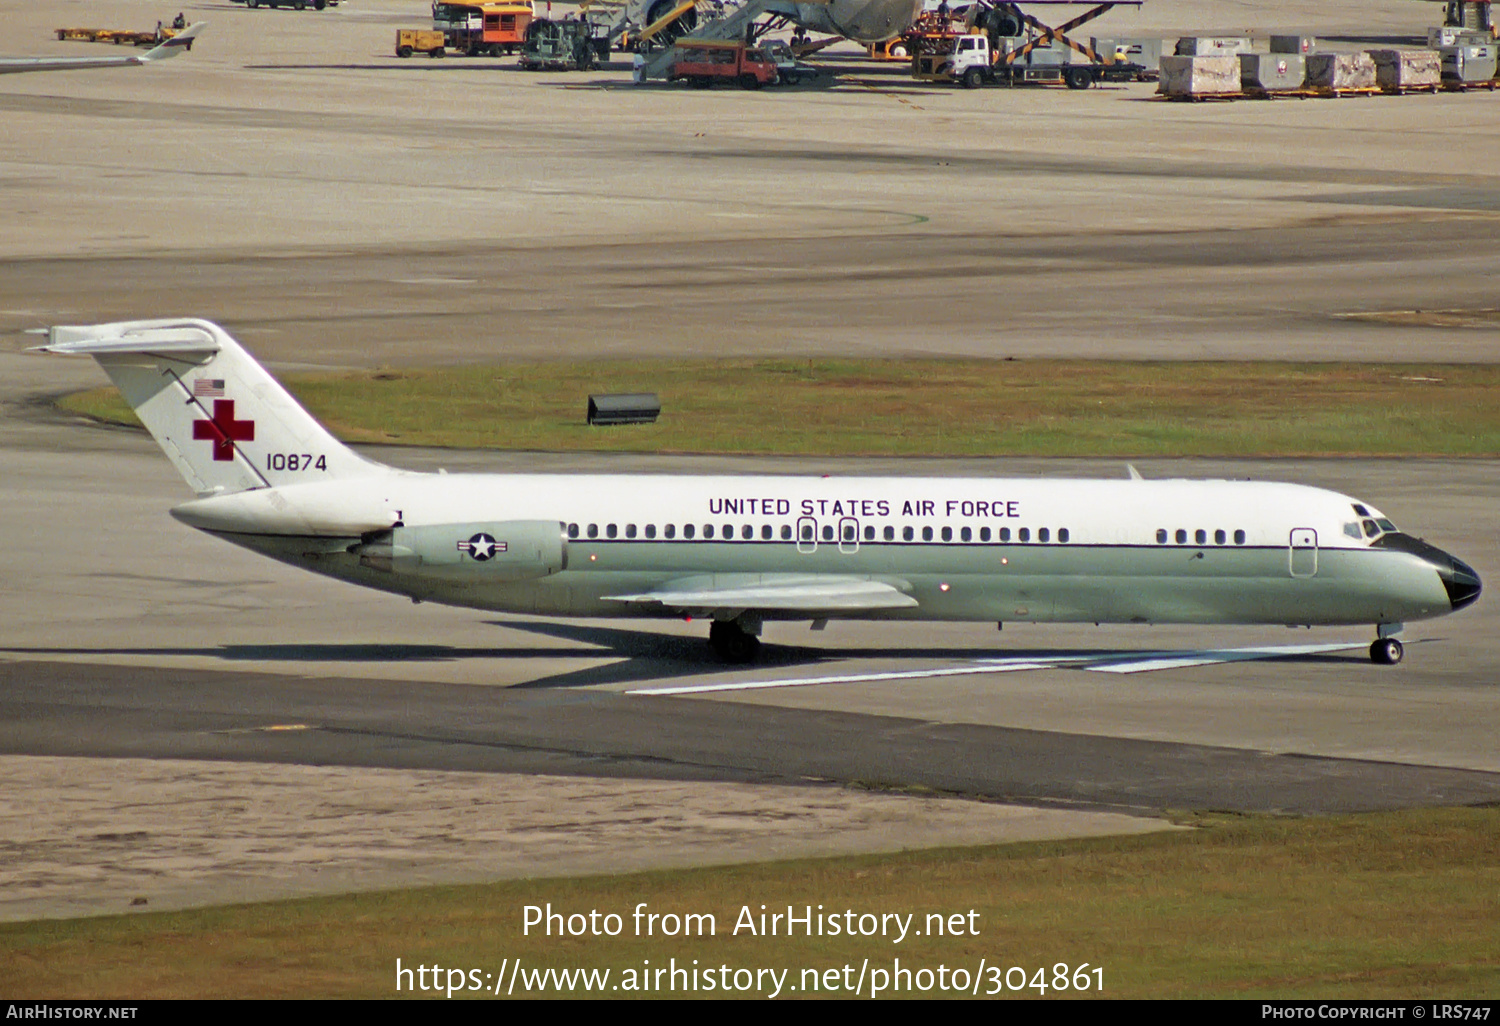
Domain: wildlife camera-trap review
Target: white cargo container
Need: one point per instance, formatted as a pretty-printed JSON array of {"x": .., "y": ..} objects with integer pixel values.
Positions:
[
  {"x": 1468, "y": 63},
  {"x": 1200, "y": 76},
  {"x": 1407, "y": 69},
  {"x": 1212, "y": 46},
  {"x": 1272, "y": 72},
  {"x": 1341, "y": 71},
  {"x": 1293, "y": 44}
]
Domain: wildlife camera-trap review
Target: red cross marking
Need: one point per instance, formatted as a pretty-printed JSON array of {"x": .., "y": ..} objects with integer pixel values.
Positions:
[{"x": 224, "y": 430}]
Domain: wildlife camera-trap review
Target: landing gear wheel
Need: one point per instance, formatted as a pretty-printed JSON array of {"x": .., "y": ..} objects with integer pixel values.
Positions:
[
  {"x": 1386, "y": 652},
  {"x": 731, "y": 644}
]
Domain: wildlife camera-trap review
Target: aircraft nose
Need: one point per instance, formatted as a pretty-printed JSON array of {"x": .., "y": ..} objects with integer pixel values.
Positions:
[{"x": 1459, "y": 579}]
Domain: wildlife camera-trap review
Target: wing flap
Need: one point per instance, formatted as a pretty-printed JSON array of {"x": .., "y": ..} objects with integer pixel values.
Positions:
[{"x": 808, "y": 593}]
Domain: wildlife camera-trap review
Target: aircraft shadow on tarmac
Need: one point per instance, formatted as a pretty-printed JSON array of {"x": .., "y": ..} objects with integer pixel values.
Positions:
[
  {"x": 820, "y": 82},
  {"x": 317, "y": 653},
  {"x": 635, "y": 656},
  {"x": 647, "y": 656}
]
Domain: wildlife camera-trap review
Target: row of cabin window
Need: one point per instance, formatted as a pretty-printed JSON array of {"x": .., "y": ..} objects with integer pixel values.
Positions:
[
  {"x": 1200, "y": 537},
  {"x": 846, "y": 534}
]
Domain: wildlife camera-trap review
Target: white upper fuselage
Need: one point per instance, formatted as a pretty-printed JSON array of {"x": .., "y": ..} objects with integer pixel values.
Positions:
[{"x": 1092, "y": 512}]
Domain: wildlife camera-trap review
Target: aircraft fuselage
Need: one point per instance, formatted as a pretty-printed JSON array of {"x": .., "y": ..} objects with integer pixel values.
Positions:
[{"x": 1034, "y": 550}]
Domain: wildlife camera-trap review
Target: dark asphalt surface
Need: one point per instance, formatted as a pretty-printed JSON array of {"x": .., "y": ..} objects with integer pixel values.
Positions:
[{"x": 77, "y": 710}]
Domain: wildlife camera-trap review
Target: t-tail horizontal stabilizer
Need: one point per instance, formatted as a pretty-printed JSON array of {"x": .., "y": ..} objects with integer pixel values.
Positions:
[{"x": 226, "y": 424}]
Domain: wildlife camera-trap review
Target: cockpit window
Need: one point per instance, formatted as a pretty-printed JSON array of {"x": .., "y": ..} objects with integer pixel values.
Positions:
[
  {"x": 1385, "y": 525},
  {"x": 1352, "y": 529},
  {"x": 1361, "y": 510},
  {"x": 1370, "y": 529}
]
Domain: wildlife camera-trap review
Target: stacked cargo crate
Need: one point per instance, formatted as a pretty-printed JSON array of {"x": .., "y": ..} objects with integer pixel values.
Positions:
[{"x": 1204, "y": 67}]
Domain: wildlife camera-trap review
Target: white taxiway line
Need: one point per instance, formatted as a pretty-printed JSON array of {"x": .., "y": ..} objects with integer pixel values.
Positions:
[
  {"x": 852, "y": 678},
  {"x": 1136, "y": 663},
  {"x": 1174, "y": 660}
]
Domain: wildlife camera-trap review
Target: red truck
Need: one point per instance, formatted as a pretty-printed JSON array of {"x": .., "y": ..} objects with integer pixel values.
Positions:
[{"x": 705, "y": 62}]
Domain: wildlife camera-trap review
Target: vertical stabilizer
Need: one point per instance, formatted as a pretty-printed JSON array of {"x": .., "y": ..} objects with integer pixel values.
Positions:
[{"x": 225, "y": 423}]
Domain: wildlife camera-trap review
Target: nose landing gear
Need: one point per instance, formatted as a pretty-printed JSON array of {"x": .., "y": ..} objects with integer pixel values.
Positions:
[{"x": 1386, "y": 650}]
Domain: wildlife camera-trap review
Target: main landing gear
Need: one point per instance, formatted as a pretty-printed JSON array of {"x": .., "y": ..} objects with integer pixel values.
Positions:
[
  {"x": 1386, "y": 650},
  {"x": 734, "y": 641}
]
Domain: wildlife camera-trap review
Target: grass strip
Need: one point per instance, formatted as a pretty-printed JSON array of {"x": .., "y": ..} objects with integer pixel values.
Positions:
[
  {"x": 1397, "y": 905},
  {"x": 898, "y": 407}
]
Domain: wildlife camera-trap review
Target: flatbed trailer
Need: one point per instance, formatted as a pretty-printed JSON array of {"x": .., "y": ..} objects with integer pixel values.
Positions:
[
  {"x": 1075, "y": 75},
  {"x": 119, "y": 37},
  {"x": 1006, "y": 24}
]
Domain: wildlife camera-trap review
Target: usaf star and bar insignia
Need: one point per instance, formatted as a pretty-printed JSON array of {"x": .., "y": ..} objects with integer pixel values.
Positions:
[{"x": 481, "y": 546}]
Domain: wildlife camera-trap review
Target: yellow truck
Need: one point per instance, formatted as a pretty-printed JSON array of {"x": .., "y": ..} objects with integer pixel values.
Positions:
[{"x": 428, "y": 41}]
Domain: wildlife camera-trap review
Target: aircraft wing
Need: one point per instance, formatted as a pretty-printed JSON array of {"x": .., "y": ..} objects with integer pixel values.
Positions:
[
  {"x": 167, "y": 48},
  {"x": 804, "y": 593}
]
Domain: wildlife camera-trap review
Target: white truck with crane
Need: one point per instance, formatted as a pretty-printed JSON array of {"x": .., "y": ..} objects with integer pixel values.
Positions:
[{"x": 1002, "y": 44}]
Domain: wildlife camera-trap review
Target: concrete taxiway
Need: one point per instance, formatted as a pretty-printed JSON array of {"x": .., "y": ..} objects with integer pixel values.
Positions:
[{"x": 334, "y": 206}]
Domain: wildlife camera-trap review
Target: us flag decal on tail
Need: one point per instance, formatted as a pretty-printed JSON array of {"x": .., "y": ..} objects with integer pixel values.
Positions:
[{"x": 208, "y": 388}]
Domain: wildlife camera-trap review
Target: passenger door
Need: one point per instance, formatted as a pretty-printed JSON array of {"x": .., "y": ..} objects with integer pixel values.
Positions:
[{"x": 1302, "y": 552}]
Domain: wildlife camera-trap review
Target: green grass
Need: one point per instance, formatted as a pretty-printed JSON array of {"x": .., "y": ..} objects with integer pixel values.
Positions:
[
  {"x": 918, "y": 407},
  {"x": 1399, "y": 905}
]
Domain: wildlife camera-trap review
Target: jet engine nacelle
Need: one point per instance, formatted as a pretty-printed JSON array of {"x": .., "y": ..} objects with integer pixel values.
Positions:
[
  {"x": 864, "y": 21},
  {"x": 508, "y": 550}
]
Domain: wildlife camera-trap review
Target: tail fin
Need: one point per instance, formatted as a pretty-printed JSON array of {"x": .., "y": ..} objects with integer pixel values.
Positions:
[
  {"x": 173, "y": 45},
  {"x": 225, "y": 423}
]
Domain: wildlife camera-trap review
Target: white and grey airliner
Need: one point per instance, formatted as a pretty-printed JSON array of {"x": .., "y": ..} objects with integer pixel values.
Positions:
[{"x": 741, "y": 550}]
